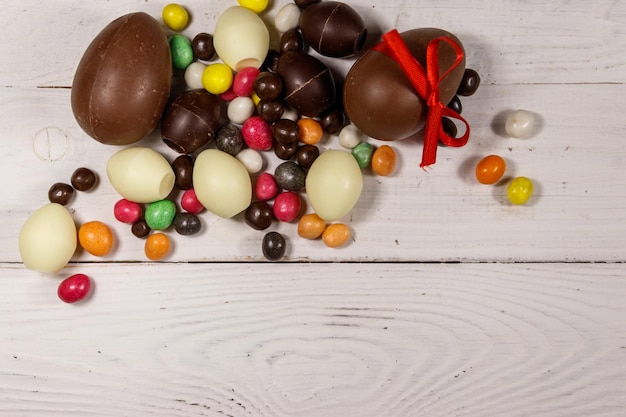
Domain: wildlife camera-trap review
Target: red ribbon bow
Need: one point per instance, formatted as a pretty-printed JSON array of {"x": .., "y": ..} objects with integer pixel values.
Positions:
[{"x": 426, "y": 83}]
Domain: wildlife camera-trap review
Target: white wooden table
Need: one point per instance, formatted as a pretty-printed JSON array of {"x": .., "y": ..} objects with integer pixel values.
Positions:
[{"x": 447, "y": 302}]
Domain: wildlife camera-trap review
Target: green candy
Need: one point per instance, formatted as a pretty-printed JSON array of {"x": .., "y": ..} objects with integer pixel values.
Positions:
[
  {"x": 182, "y": 51},
  {"x": 363, "y": 154},
  {"x": 160, "y": 214}
]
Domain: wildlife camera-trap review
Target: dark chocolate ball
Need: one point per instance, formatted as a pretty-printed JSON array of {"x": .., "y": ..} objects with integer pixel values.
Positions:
[
  {"x": 202, "y": 46},
  {"x": 285, "y": 151},
  {"x": 186, "y": 224},
  {"x": 183, "y": 172},
  {"x": 291, "y": 41},
  {"x": 333, "y": 29},
  {"x": 270, "y": 110},
  {"x": 286, "y": 131},
  {"x": 191, "y": 121},
  {"x": 60, "y": 193},
  {"x": 290, "y": 176},
  {"x": 306, "y": 155},
  {"x": 268, "y": 85},
  {"x": 83, "y": 179},
  {"x": 274, "y": 246},
  {"x": 455, "y": 104},
  {"x": 378, "y": 97},
  {"x": 259, "y": 215},
  {"x": 469, "y": 83},
  {"x": 309, "y": 84}
]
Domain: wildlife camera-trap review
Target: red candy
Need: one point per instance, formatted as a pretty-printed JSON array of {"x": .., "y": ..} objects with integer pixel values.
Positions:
[
  {"x": 189, "y": 202},
  {"x": 287, "y": 206},
  {"x": 127, "y": 211},
  {"x": 257, "y": 134},
  {"x": 243, "y": 83},
  {"x": 228, "y": 95},
  {"x": 74, "y": 288},
  {"x": 265, "y": 187}
]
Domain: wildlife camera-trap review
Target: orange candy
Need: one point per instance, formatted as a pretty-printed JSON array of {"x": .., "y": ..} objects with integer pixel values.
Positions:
[
  {"x": 310, "y": 130},
  {"x": 335, "y": 235},
  {"x": 490, "y": 169},
  {"x": 157, "y": 246},
  {"x": 384, "y": 160},
  {"x": 311, "y": 226},
  {"x": 96, "y": 238}
]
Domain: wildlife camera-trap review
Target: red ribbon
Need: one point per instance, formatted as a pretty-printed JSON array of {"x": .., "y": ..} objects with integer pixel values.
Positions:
[{"x": 426, "y": 83}]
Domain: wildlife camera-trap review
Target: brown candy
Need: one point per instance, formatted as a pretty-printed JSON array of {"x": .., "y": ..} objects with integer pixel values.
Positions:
[
  {"x": 309, "y": 84},
  {"x": 286, "y": 131},
  {"x": 380, "y": 100},
  {"x": 333, "y": 29},
  {"x": 202, "y": 46},
  {"x": 268, "y": 85},
  {"x": 270, "y": 110},
  {"x": 291, "y": 41},
  {"x": 191, "y": 121},
  {"x": 60, "y": 193},
  {"x": 183, "y": 171},
  {"x": 121, "y": 85},
  {"x": 83, "y": 179}
]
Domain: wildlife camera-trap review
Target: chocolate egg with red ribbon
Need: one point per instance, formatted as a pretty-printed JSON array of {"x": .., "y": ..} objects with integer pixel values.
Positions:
[{"x": 379, "y": 97}]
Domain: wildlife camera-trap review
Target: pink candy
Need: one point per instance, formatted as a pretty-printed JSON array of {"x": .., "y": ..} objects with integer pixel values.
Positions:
[
  {"x": 265, "y": 187},
  {"x": 189, "y": 202},
  {"x": 74, "y": 288},
  {"x": 127, "y": 211},
  {"x": 243, "y": 83},
  {"x": 287, "y": 206},
  {"x": 257, "y": 134}
]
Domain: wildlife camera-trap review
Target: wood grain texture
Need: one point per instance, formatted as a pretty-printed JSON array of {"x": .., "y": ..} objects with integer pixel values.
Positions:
[{"x": 355, "y": 340}]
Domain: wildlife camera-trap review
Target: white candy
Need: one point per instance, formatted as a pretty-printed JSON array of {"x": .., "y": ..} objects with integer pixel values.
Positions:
[
  {"x": 240, "y": 109},
  {"x": 287, "y": 18},
  {"x": 290, "y": 114},
  {"x": 251, "y": 159},
  {"x": 350, "y": 136},
  {"x": 520, "y": 124},
  {"x": 193, "y": 75}
]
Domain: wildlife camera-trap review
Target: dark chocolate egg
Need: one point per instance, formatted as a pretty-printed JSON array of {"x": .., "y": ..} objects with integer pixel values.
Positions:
[
  {"x": 380, "y": 100},
  {"x": 333, "y": 29},
  {"x": 309, "y": 86},
  {"x": 191, "y": 121},
  {"x": 122, "y": 83}
]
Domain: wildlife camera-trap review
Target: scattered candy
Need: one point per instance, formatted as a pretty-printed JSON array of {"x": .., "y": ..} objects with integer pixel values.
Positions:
[
  {"x": 240, "y": 109},
  {"x": 274, "y": 246},
  {"x": 189, "y": 202},
  {"x": 490, "y": 169},
  {"x": 83, "y": 179},
  {"x": 187, "y": 224},
  {"x": 290, "y": 176},
  {"x": 74, "y": 288},
  {"x": 520, "y": 190},
  {"x": 251, "y": 159},
  {"x": 140, "y": 229},
  {"x": 336, "y": 234},
  {"x": 306, "y": 155},
  {"x": 60, "y": 193},
  {"x": 257, "y": 6},
  {"x": 265, "y": 187},
  {"x": 259, "y": 215},
  {"x": 310, "y": 131},
  {"x": 363, "y": 154},
  {"x": 183, "y": 171},
  {"x": 243, "y": 83},
  {"x": 311, "y": 226},
  {"x": 157, "y": 246},
  {"x": 182, "y": 52},
  {"x": 287, "y": 206},
  {"x": 257, "y": 134},
  {"x": 160, "y": 214},
  {"x": 217, "y": 78},
  {"x": 202, "y": 45},
  {"x": 96, "y": 238},
  {"x": 520, "y": 124},
  {"x": 229, "y": 139},
  {"x": 175, "y": 17},
  {"x": 469, "y": 83},
  {"x": 127, "y": 211},
  {"x": 384, "y": 160},
  {"x": 193, "y": 75},
  {"x": 350, "y": 136},
  {"x": 287, "y": 18},
  {"x": 268, "y": 85}
]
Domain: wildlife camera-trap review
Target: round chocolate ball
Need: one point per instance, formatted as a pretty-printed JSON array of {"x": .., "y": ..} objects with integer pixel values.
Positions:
[
  {"x": 183, "y": 171},
  {"x": 380, "y": 100},
  {"x": 202, "y": 46},
  {"x": 191, "y": 121}
]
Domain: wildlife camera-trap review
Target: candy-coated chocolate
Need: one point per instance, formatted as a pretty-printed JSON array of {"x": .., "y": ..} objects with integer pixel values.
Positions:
[
  {"x": 350, "y": 136},
  {"x": 229, "y": 139},
  {"x": 187, "y": 224},
  {"x": 384, "y": 160},
  {"x": 140, "y": 174},
  {"x": 74, "y": 288},
  {"x": 193, "y": 75},
  {"x": 251, "y": 159},
  {"x": 271, "y": 61},
  {"x": 240, "y": 109},
  {"x": 265, "y": 187},
  {"x": 287, "y": 18},
  {"x": 380, "y": 100},
  {"x": 287, "y": 205},
  {"x": 183, "y": 170},
  {"x": 336, "y": 235},
  {"x": 47, "y": 240},
  {"x": 202, "y": 45},
  {"x": 309, "y": 85},
  {"x": 217, "y": 78},
  {"x": 191, "y": 121},
  {"x": 190, "y": 203},
  {"x": 83, "y": 179},
  {"x": 363, "y": 154},
  {"x": 469, "y": 83},
  {"x": 257, "y": 6},
  {"x": 121, "y": 87},
  {"x": 157, "y": 246},
  {"x": 449, "y": 127},
  {"x": 291, "y": 41},
  {"x": 520, "y": 190},
  {"x": 241, "y": 38},
  {"x": 268, "y": 85},
  {"x": 257, "y": 134},
  {"x": 140, "y": 229},
  {"x": 175, "y": 16},
  {"x": 96, "y": 238},
  {"x": 60, "y": 193},
  {"x": 222, "y": 183},
  {"x": 290, "y": 176},
  {"x": 311, "y": 131},
  {"x": 332, "y": 121},
  {"x": 306, "y": 155},
  {"x": 259, "y": 215},
  {"x": 311, "y": 226},
  {"x": 243, "y": 83},
  {"x": 127, "y": 211},
  {"x": 273, "y": 246},
  {"x": 520, "y": 124},
  {"x": 333, "y": 29},
  {"x": 270, "y": 110},
  {"x": 455, "y": 104},
  {"x": 286, "y": 131},
  {"x": 160, "y": 214},
  {"x": 333, "y": 184},
  {"x": 182, "y": 52},
  {"x": 490, "y": 169},
  {"x": 285, "y": 151}
]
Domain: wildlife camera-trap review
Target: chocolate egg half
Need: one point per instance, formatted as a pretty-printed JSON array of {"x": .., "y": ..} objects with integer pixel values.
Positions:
[
  {"x": 380, "y": 100},
  {"x": 123, "y": 80}
]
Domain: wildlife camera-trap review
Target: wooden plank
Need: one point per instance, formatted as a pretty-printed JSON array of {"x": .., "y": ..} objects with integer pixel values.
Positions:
[{"x": 306, "y": 339}]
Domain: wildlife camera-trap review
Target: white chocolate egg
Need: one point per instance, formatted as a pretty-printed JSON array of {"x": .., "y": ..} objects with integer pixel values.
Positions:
[
  {"x": 333, "y": 184},
  {"x": 241, "y": 38},
  {"x": 141, "y": 174},
  {"x": 222, "y": 183},
  {"x": 48, "y": 239}
]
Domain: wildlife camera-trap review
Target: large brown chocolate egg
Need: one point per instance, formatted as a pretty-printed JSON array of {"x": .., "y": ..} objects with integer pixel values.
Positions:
[
  {"x": 191, "y": 121},
  {"x": 380, "y": 100},
  {"x": 122, "y": 83},
  {"x": 333, "y": 29},
  {"x": 309, "y": 86}
]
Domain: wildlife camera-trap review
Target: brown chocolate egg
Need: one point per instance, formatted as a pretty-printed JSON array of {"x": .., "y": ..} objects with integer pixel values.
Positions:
[
  {"x": 309, "y": 86},
  {"x": 191, "y": 121},
  {"x": 380, "y": 100},
  {"x": 333, "y": 29},
  {"x": 122, "y": 83}
]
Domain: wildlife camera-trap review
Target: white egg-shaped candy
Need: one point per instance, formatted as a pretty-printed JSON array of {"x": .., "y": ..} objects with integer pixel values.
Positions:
[
  {"x": 240, "y": 109},
  {"x": 193, "y": 75},
  {"x": 520, "y": 124},
  {"x": 222, "y": 183},
  {"x": 241, "y": 38},
  {"x": 350, "y": 136},
  {"x": 251, "y": 159},
  {"x": 287, "y": 18},
  {"x": 333, "y": 184},
  {"x": 140, "y": 174},
  {"x": 48, "y": 239}
]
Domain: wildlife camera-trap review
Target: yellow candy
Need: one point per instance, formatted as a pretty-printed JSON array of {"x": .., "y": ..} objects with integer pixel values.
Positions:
[
  {"x": 257, "y": 6},
  {"x": 520, "y": 190},
  {"x": 175, "y": 17},
  {"x": 217, "y": 78}
]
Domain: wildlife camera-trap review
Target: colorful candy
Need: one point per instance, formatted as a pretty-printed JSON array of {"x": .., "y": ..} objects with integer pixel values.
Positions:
[
  {"x": 189, "y": 202},
  {"x": 217, "y": 78},
  {"x": 265, "y": 187},
  {"x": 182, "y": 52},
  {"x": 257, "y": 134},
  {"x": 243, "y": 83},
  {"x": 193, "y": 75},
  {"x": 363, "y": 154},
  {"x": 520, "y": 190},
  {"x": 127, "y": 211},
  {"x": 384, "y": 160},
  {"x": 160, "y": 214},
  {"x": 311, "y": 226},
  {"x": 490, "y": 169},
  {"x": 336, "y": 234},
  {"x": 240, "y": 109},
  {"x": 96, "y": 238},
  {"x": 287, "y": 205},
  {"x": 251, "y": 159},
  {"x": 175, "y": 17},
  {"x": 74, "y": 288},
  {"x": 257, "y": 6},
  {"x": 157, "y": 246},
  {"x": 311, "y": 131},
  {"x": 520, "y": 124}
]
